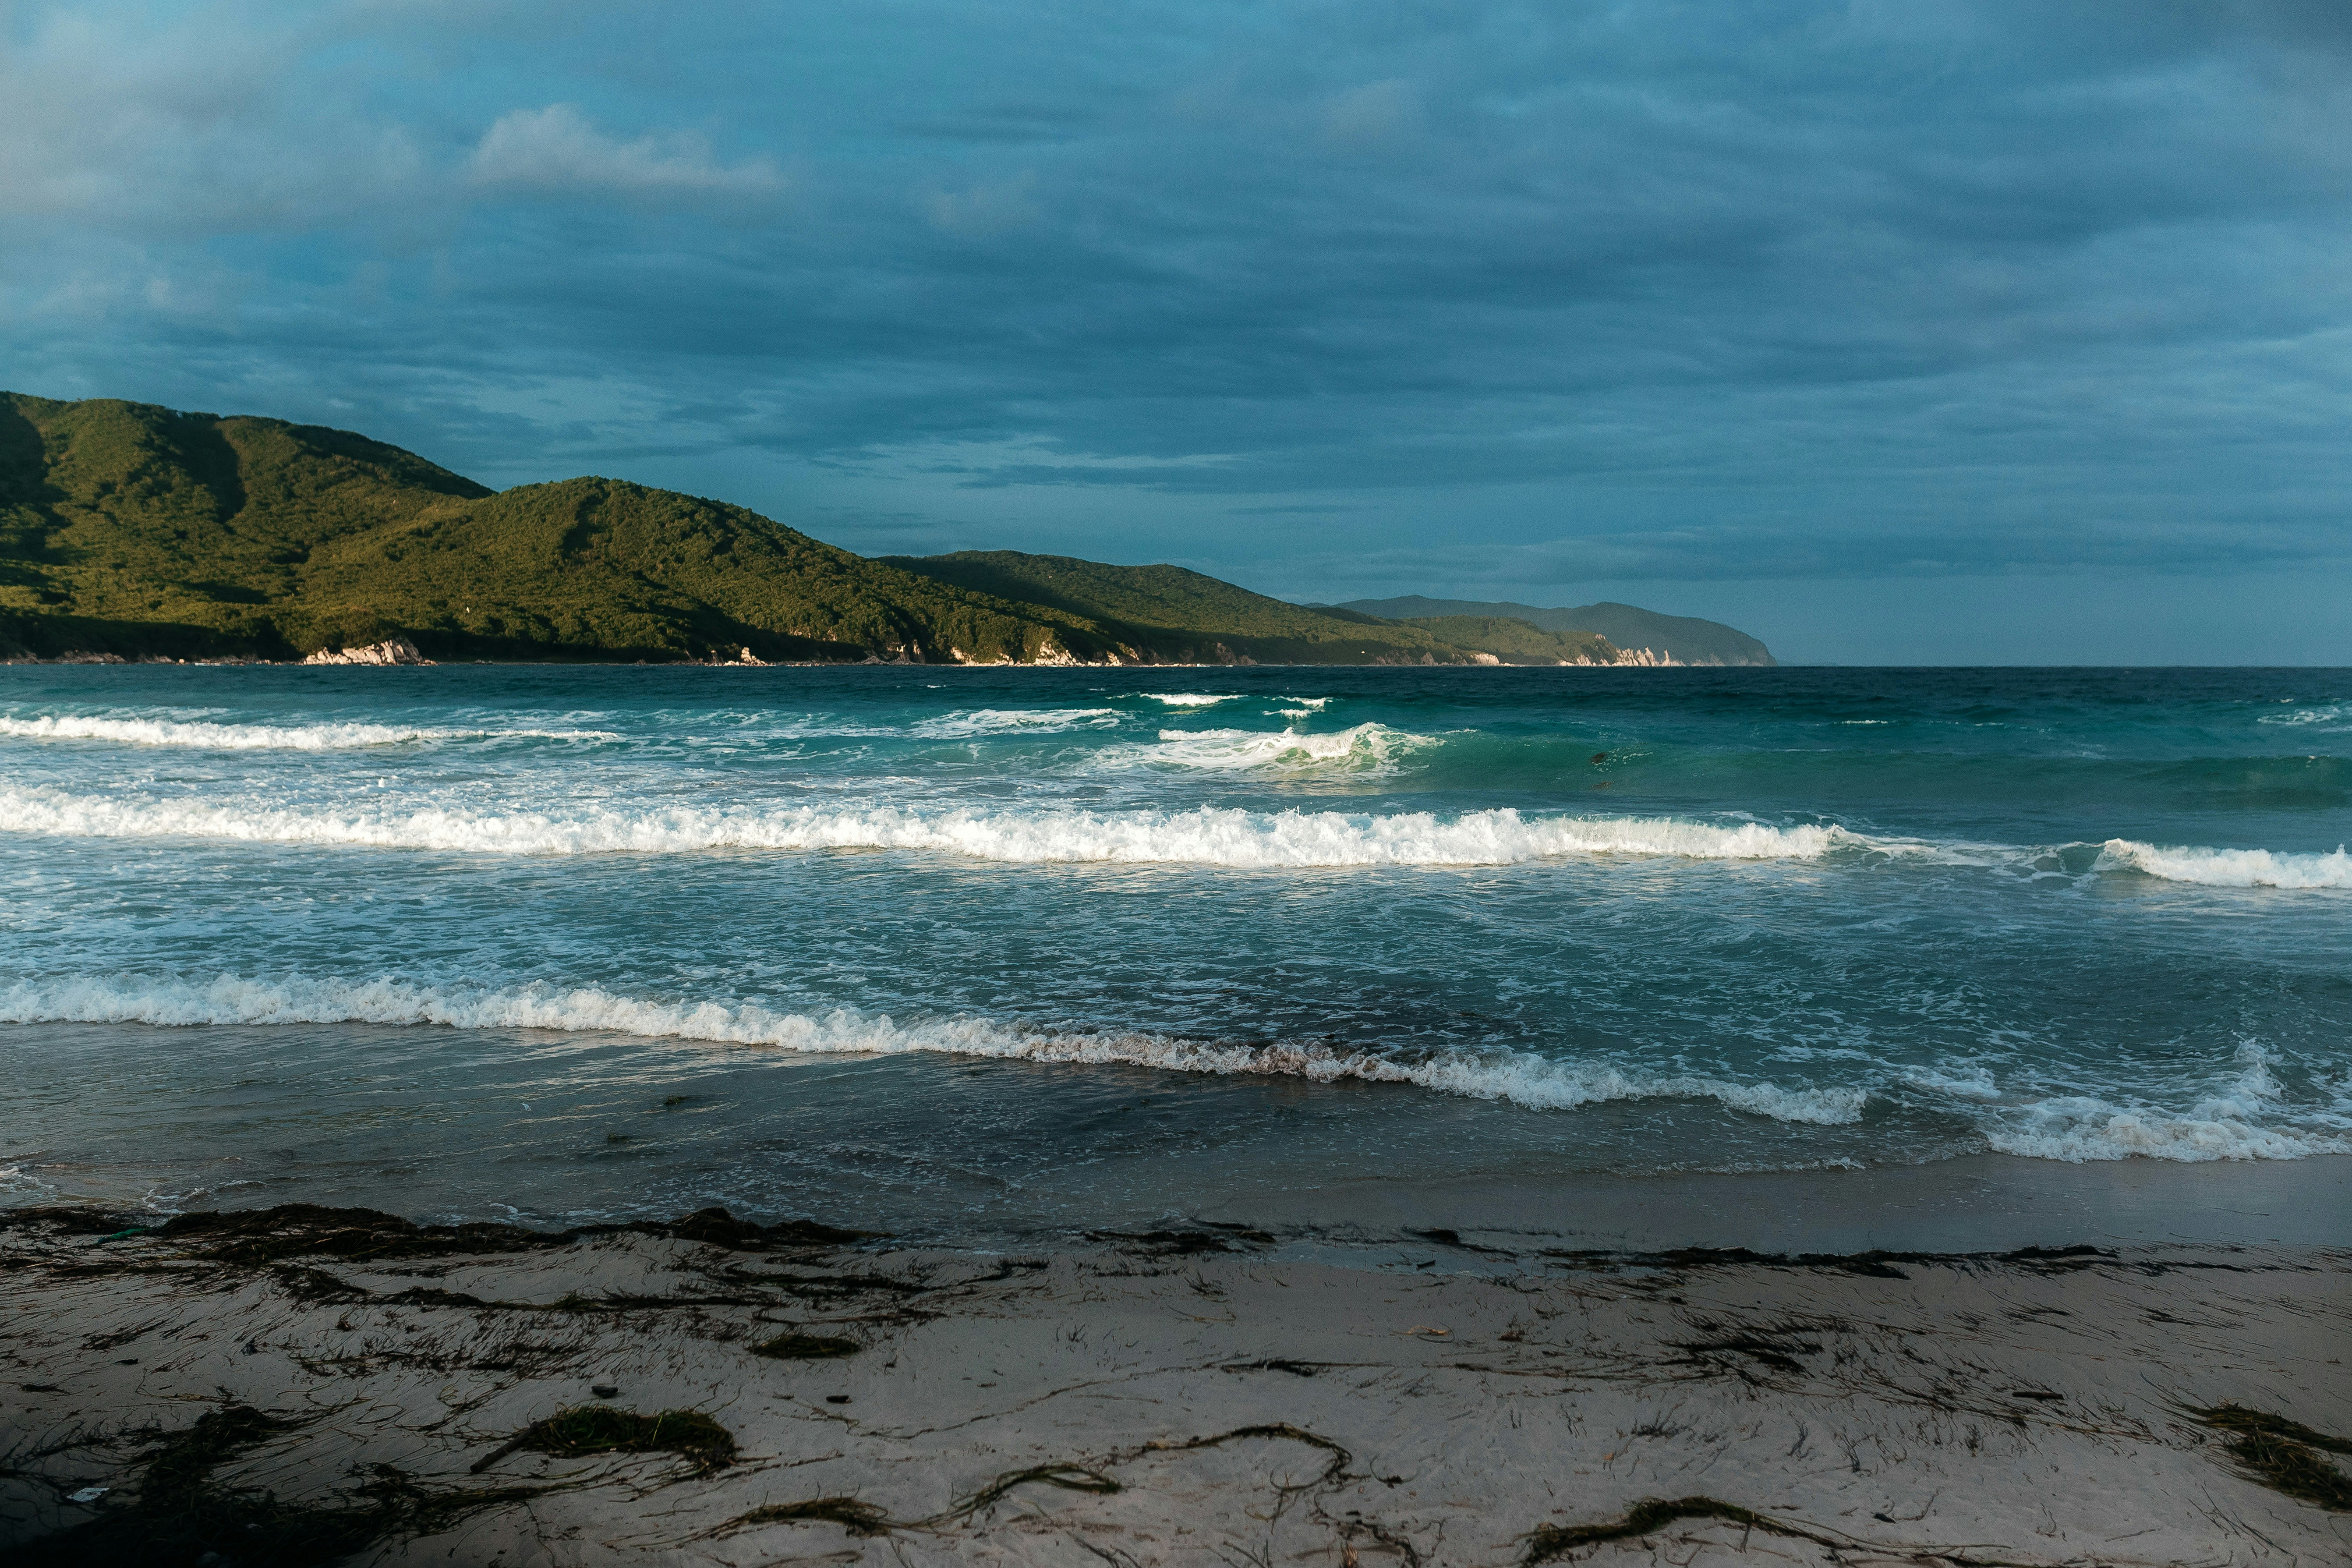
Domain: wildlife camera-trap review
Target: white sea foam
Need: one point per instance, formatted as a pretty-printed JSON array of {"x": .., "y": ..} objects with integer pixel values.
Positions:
[
  {"x": 1010, "y": 720},
  {"x": 1208, "y": 837},
  {"x": 2080, "y": 1128},
  {"x": 1523, "y": 1079},
  {"x": 1364, "y": 748},
  {"x": 1312, "y": 704},
  {"x": 18, "y": 1185},
  {"x": 2229, "y": 867},
  {"x": 2227, "y": 1123},
  {"x": 2328, "y": 716},
  {"x": 1968, "y": 1083},
  {"x": 1192, "y": 699},
  {"x": 261, "y": 737}
]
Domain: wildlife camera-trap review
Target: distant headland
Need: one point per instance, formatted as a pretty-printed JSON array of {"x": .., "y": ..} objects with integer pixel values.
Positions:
[{"x": 131, "y": 531}]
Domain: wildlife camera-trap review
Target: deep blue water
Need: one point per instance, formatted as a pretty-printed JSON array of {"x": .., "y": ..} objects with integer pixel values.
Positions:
[{"x": 962, "y": 949}]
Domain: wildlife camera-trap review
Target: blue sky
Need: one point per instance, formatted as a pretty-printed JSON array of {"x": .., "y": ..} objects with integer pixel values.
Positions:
[{"x": 1901, "y": 332}]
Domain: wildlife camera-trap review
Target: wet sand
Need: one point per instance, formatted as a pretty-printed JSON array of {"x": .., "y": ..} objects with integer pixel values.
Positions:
[{"x": 1207, "y": 1396}]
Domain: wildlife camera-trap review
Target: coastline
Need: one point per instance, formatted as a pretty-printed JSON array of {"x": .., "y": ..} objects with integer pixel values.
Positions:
[
  {"x": 1179, "y": 1396},
  {"x": 1969, "y": 1204}
]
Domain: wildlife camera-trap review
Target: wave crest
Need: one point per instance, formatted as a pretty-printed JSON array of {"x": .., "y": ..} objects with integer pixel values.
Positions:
[
  {"x": 2229, "y": 868},
  {"x": 262, "y": 737},
  {"x": 1206, "y": 836},
  {"x": 1366, "y": 747},
  {"x": 2076, "y": 1128},
  {"x": 1531, "y": 1081}
]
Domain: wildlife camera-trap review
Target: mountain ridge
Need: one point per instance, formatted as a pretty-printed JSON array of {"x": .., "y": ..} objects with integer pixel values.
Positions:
[
  {"x": 1679, "y": 639},
  {"x": 133, "y": 530}
]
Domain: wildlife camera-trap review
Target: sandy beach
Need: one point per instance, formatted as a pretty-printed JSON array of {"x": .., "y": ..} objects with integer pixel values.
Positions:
[{"x": 309, "y": 1386}]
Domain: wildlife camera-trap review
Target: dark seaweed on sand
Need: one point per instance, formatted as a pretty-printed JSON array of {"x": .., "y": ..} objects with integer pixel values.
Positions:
[
  {"x": 589, "y": 1429},
  {"x": 1549, "y": 1542},
  {"x": 2278, "y": 1453},
  {"x": 176, "y": 1513},
  {"x": 796, "y": 1346}
]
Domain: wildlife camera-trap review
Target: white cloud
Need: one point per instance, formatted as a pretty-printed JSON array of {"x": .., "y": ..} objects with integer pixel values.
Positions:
[
  {"x": 1376, "y": 112},
  {"x": 557, "y": 149},
  {"x": 988, "y": 208},
  {"x": 115, "y": 120}
]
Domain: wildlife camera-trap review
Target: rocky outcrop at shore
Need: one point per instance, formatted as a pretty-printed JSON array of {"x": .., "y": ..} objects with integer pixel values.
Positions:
[{"x": 391, "y": 650}]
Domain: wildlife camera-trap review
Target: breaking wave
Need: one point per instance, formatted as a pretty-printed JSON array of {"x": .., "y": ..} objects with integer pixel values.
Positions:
[
  {"x": 1010, "y": 720},
  {"x": 2229, "y": 867},
  {"x": 1192, "y": 699},
  {"x": 1522, "y": 1080},
  {"x": 1366, "y": 748},
  {"x": 2326, "y": 716},
  {"x": 1206, "y": 836},
  {"x": 2221, "y": 1126},
  {"x": 263, "y": 737}
]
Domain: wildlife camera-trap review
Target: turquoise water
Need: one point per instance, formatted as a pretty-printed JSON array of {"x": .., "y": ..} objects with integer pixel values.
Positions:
[{"x": 971, "y": 951}]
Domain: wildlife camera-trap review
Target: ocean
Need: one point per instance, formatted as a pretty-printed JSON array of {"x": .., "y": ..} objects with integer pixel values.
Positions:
[{"x": 977, "y": 954}]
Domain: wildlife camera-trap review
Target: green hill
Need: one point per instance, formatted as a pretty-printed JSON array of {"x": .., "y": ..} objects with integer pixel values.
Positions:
[
  {"x": 1517, "y": 641},
  {"x": 1173, "y": 616},
  {"x": 1683, "y": 639},
  {"x": 133, "y": 530}
]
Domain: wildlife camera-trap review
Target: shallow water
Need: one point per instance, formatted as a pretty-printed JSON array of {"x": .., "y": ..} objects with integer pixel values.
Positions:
[{"x": 975, "y": 951}]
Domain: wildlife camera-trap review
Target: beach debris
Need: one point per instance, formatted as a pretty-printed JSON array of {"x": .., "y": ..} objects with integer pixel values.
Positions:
[
  {"x": 1069, "y": 1477},
  {"x": 1776, "y": 1345},
  {"x": 1281, "y": 1363},
  {"x": 1549, "y": 1542},
  {"x": 717, "y": 1227},
  {"x": 590, "y": 1429},
  {"x": 258, "y": 1236},
  {"x": 857, "y": 1518},
  {"x": 2279, "y": 1453},
  {"x": 178, "y": 1513},
  {"x": 793, "y": 1345},
  {"x": 1279, "y": 1430},
  {"x": 1180, "y": 1242}
]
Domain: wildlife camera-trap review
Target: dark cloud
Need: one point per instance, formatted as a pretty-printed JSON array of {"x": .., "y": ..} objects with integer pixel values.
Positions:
[{"x": 1533, "y": 293}]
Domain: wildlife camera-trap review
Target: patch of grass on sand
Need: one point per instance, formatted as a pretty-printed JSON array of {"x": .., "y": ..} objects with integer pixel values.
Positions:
[
  {"x": 177, "y": 1512},
  {"x": 797, "y": 1346},
  {"x": 2278, "y": 1453},
  {"x": 1549, "y": 1542},
  {"x": 588, "y": 1429}
]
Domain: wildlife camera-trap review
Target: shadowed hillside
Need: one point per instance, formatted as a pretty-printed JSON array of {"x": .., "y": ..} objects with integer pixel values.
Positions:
[
  {"x": 130, "y": 531},
  {"x": 1181, "y": 617},
  {"x": 1683, "y": 639},
  {"x": 133, "y": 530}
]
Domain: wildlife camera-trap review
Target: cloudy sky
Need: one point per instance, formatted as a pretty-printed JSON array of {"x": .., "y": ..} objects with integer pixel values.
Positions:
[{"x": 1892, "y": 331}]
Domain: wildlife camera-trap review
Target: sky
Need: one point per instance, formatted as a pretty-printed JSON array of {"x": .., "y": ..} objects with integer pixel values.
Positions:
[{"x": 1910, "y": 332}]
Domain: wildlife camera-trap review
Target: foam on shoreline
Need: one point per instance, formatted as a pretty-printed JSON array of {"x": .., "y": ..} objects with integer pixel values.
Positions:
[{"x": 2224, "y": 1125}]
